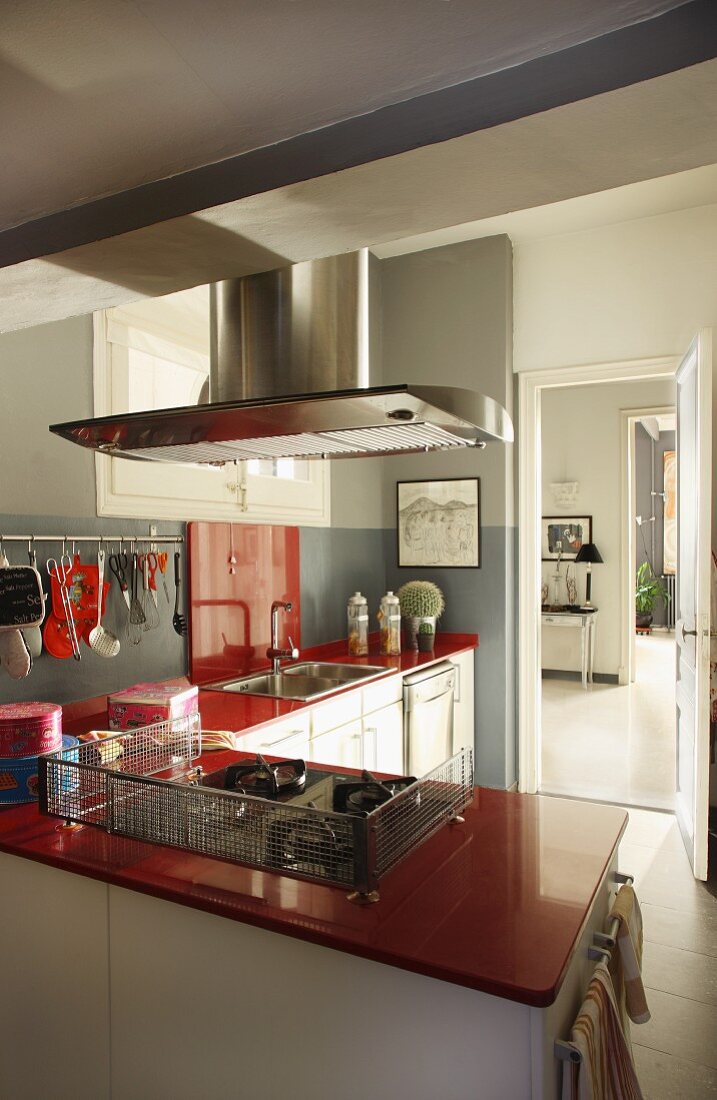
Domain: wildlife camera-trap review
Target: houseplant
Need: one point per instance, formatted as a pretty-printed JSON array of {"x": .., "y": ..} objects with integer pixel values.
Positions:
[
  {"x": 648, "y": 590},
  {"x": 421, "y": 602},
  {"x": 426, "y": 637}
]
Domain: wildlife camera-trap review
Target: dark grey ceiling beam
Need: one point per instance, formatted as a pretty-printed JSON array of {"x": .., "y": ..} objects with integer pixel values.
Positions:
[{"x": 684, "y": 36}]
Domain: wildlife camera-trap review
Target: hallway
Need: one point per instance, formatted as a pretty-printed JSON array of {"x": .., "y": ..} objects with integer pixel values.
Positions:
[{"x": 612, "y": 743}]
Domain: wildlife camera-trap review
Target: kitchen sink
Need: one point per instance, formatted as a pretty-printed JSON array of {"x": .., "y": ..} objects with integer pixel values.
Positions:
[
  {"x": 305, "y": 681},
  {"x": 345, "y": 673}
]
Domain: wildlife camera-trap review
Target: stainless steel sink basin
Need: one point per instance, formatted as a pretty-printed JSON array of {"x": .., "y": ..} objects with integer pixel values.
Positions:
[
  {"x": 345, "y": 673},
  {"x": 305, "y": 681}
]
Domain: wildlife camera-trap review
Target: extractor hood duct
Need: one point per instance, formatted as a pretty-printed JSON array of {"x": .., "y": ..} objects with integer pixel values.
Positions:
[{"x": 289, "y": 379}]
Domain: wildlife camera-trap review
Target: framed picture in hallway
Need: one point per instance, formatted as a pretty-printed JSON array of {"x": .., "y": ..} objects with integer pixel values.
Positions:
[
  {"x": 438, "y": 523},
  {"x": 562, "y": 536}
]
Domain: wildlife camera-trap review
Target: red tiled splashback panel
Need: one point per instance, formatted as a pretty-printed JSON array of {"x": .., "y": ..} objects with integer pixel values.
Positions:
[{"x": 229, "y": 613}]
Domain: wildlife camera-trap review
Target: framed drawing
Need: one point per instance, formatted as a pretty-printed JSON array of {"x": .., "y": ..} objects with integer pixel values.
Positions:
[
  {"x": 438, "y": 523},
  {"x": 562, "y": 536}
]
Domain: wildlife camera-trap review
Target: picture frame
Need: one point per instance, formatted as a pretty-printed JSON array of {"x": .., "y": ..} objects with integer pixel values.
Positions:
[
  {"x": 438, "y": 523},
  {"x": 571, "y": 531}
]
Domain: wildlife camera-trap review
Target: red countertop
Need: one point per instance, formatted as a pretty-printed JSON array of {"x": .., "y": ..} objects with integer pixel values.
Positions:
[
  {"x": 496, "y": 904},
  {"x": 231, "y": 711},
  {"x": 241, "y": 713}
]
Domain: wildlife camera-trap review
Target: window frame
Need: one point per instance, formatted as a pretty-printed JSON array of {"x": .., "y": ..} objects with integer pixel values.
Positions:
[{"x": 239, "y": 497}]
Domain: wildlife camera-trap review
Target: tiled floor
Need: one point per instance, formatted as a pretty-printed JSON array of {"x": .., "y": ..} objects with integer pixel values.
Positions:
[
  {"x": 611, "y": 743},
  {"x": 617, "y": 744},
  {"x": 676, "y": 1051}
]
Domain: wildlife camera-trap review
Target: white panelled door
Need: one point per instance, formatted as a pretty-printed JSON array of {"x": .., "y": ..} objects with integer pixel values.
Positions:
[{"x": 692, "y": 614}]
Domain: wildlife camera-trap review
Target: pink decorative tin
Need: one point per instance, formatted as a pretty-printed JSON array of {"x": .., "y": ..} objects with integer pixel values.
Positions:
[
  {"x": 146, "y": 704},
  {"x": 27, "y": 729}
]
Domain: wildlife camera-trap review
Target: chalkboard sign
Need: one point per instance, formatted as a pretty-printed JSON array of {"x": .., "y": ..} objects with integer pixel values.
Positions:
[{"x": 22, "y": 601}]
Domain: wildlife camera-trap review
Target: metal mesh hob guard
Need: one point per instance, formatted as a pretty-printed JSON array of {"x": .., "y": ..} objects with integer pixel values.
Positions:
[{"x": 138, "y": 784}]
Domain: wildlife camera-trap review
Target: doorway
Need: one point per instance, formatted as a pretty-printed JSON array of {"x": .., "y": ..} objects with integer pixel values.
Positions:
[
  {"x": 577, "y": 412},
  {"x": 606, "y": 735}
]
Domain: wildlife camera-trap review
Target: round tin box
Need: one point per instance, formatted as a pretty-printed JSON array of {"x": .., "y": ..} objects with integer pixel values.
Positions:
[
  {"x": 28, "y": 729},
  {"x": 18, "y": 776}
]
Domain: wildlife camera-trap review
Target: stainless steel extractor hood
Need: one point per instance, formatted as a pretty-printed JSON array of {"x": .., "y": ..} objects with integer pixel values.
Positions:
[{"x": 289, "y": 379}]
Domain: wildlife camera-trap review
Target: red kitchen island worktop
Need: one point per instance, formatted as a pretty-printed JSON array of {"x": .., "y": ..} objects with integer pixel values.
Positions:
[
  {"x": 180, "y": 968},
  {"x": 495, "y": 904},
  {"x": 477, "y": 951}
]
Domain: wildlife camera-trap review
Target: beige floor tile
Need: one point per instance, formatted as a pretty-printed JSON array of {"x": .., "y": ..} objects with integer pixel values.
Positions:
[
  {"x": 691, "y": 931},
  {"x": 664, "y": 1077},
  {"x": 664, "y": 878},
  {"x": 653, "y": 830},
  {"x": 684, "y": 973},
  {"x": 614, "y": 743},
  {"x": 683, "y": 1028}
]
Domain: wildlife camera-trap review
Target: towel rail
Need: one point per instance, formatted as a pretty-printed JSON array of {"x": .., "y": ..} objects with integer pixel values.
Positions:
[
  {"x": 603, "y": 944},
  {"x": 608, "y": 939}
]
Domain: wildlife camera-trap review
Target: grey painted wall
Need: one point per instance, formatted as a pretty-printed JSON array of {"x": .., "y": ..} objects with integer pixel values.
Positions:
[
  {"x": 646, "y": 506},
  {"x": 160, "y": 655},
  {"x": 48, "y": 486},
  {"x": 447, "y": 320},
  {"x": 335, "y": 562},
  {"x": 46, "y": 378}
]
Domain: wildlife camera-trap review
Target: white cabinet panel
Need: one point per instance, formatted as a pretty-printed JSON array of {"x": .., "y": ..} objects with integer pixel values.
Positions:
[
  {"x": 54, "y": 1008},
  {"x": 288, "y": 738},
  {"x": 464, "y": 702},
  {"x": 342, "y": 747},
  {"x": 383, "y": 740}
]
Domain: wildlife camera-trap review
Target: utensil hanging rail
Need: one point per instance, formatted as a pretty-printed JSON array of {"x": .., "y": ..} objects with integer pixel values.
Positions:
[{"x": 93, "y": 538}]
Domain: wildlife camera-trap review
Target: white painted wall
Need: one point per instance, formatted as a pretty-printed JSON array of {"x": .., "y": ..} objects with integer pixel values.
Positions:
[
  {"x": 581, "y": 442},
  {"x": 635, "y": 290}
]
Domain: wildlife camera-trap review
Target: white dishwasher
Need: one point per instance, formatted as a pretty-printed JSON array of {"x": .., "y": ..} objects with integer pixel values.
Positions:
[{"x": 428, "y": 718}]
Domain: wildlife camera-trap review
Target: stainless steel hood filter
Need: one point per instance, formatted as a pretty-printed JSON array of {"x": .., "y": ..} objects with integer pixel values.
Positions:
[{"x": 289, "y": 379}]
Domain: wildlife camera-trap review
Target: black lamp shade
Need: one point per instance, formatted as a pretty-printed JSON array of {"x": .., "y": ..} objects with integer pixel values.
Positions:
[{"x": 589, "y": 553}]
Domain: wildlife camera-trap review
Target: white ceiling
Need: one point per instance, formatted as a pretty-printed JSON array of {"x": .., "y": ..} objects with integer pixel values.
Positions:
[
  {"x": 646, "y": 199},
  {"x": 102, "y": 95}
]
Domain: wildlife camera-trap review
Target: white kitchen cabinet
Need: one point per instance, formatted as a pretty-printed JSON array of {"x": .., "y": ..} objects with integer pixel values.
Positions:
[
  {"x": 288, "y": 739},
  {"x": 374, "y": 742},
  {"x": 464, "y": 732},
  {"x": 341, "y": 747},
  {"x": 383, "y": 740},
  {"x": 54, "y": 960}
]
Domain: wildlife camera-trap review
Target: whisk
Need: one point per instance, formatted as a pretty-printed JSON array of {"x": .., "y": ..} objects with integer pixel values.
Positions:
[
  {"x": 151, "y": 614},
  {"x": 136, "y": 617}
]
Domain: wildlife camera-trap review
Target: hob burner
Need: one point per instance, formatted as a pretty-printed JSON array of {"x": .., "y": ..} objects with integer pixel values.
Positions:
[
  {"x": 367, "y": 794},
  {"x": 264, "y": 779}
]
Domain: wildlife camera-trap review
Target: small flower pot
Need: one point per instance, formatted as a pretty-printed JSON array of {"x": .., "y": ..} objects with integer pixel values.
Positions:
[
  {"x": 410, "y": 628},
  {"x": 643, "y": 619},
  {"x": 426, "y": 643}
]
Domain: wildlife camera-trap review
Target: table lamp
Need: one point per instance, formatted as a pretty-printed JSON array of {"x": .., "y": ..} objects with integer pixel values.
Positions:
[{"x": 590, "y": 555}]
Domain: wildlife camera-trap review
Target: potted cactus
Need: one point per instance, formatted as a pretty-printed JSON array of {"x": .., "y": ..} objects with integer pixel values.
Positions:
[
  {"x": 421, "y": 602},
  {"x": 426, "y": 636}
]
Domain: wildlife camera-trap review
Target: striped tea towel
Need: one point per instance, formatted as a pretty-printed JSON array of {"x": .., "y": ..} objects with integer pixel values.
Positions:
[
  {"x": 606, "y": 1070},
  {"x": 626, "y": 961}
]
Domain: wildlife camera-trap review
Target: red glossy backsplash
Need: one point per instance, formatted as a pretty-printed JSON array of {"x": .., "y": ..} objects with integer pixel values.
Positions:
[{"x": 229, "y": 612}]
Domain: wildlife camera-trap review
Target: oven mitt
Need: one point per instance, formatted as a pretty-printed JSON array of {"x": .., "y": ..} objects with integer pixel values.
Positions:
[{"x": 14, "y": 654}]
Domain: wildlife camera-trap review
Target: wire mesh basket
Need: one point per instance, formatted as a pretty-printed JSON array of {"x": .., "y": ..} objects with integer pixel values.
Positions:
[{"x": 142, "y": 784}]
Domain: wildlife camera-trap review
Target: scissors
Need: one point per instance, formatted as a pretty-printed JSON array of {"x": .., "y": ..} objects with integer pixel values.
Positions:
[{"x": 118, "y": 565}]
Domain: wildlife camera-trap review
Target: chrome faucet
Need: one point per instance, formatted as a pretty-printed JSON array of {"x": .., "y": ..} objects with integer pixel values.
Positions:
[{"x": 275, "y": 653}]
